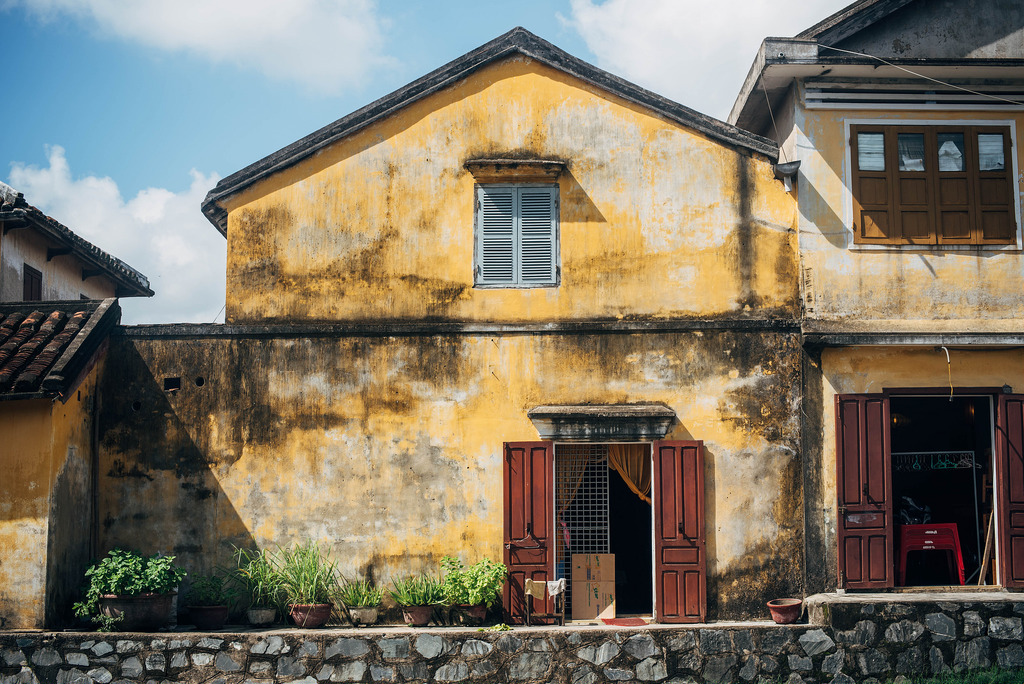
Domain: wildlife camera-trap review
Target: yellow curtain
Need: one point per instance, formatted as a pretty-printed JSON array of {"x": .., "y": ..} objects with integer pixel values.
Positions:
[{"x": 633, "y": 463}]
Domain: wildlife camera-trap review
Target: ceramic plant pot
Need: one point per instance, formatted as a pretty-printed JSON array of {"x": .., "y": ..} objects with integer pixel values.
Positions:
[
  {"x": 471, "y": 614},
  {"x": 363, "y": 615},
  {"x": 417, "y": 616},
  {"x": 785, "y": 611},
  {"x": 207, "y": 618},
  {"x": 259, "y": 616},
  {"x": 310, "y": 615},
  {"x": 139, "y": 612}
]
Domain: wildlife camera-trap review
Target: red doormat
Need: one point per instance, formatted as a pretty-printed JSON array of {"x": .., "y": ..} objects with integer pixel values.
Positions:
[{"x": 625, "y": 622}]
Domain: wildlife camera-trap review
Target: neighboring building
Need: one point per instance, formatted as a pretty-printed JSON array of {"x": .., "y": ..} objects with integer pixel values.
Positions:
[
  {"x": 906, "y": 120},
  {"x": 41, "y": 259},
  {"x": 49, "y": 353},
  {"x": 446, "y": 314}
]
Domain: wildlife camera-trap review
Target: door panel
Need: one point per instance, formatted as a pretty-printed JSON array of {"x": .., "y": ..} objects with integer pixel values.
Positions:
[
  {"x": 528, "y": 481},
  {"x": 865, "y": 491},
  {"x": 680, "y": 563},
  {"x": 1010, "y": 488}
]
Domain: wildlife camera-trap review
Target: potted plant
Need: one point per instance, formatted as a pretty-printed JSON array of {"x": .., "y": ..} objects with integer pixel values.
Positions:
[
  {"x": 417, "y": 597},
  {"x": 207, "y": 601},
  {"x": 310, "y": 581},
  {"x": 361, "y": 599},
  {"x": 473, "y": 589},
  {"x": 261, "y": 583},
  {"x": 129, "y": 591}
]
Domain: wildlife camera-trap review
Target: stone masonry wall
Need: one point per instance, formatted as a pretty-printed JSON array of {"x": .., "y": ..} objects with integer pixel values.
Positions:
[{"x": 858, "y": 643}]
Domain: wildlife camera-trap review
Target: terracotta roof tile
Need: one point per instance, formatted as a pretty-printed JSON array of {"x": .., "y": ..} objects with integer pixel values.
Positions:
[{"x": 44, "y": 345}]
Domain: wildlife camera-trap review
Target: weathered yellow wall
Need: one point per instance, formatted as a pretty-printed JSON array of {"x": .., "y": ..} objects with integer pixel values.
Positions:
[
  {"x": 389, "y": 449},
  {"x": 45, "y": 509},
  {"x": 893, "y": 288},
  {"x": 71, "y": 535},
  {"x": 26, "y": 464},
  {"x": 859, "y": 370},
  {"x": 656, "y": 220}
]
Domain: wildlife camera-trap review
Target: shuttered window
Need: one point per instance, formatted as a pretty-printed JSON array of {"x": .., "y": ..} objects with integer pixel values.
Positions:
[
  {"x": 933, "y": 185},
  {"x": 32, "y": 284},
  {"x": 516, "y": 235}
]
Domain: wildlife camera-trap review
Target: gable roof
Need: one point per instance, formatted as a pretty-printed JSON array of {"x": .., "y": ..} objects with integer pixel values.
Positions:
[
  {"x": 851, "y": 19},
  {"x": 45, "y": 347},
  {"x": 15, "y": 212},
  {"x": 830, "y": 47},
  {"x": 517, "y": 41}
]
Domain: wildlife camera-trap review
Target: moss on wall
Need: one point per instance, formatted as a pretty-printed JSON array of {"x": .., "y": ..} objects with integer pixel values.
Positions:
[{"x": 388, "y": 448}]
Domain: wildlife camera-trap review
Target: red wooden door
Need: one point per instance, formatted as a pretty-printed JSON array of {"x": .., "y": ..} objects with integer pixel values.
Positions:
[
  {"x": 864, "y": 486},
  {"x": 529, "y": 478},
  {"x": 680, "y": 555},
  {"x": 1010, "y": 488}
]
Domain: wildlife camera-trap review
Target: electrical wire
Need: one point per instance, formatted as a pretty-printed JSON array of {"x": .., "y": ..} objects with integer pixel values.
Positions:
[{"x": 927, "y": 78}]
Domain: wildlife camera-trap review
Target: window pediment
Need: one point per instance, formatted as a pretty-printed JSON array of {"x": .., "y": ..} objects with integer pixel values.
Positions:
[{"x": 502, "y": 170}]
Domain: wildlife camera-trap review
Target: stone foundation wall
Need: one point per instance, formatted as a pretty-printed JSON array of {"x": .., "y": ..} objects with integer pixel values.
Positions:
[{"x": 863, "y": 643}]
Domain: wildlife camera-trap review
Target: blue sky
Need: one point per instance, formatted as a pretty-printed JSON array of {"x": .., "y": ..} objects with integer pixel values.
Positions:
[{"x": 119, "y": 115}]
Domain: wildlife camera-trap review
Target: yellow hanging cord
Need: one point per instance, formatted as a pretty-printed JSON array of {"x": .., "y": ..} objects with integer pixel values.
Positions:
[{"x": 949, "y": 372}]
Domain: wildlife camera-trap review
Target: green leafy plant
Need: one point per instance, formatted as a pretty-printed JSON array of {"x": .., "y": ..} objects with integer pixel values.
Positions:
[
  {"x": 481, "y": 582},
  {"x": 259, "y": 578},
  {"x": 128, "y": 573},
  {"x": 360, "y": 594},
  {"x": 308, "y": 575},
  {"x": 210, "y": 590},
  {"x": 423, "y": 590}
]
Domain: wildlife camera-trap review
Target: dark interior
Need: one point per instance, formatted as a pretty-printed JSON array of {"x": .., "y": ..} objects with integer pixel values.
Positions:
[
  {"x": 941, "y": 462},
  {"x": 629, "y": 522}
]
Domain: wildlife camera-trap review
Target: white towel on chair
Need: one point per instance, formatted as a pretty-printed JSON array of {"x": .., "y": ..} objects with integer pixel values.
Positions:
[{"x": 557, "y": 587}]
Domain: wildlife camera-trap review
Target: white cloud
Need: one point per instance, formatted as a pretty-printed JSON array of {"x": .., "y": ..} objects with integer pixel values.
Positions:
[
  {"x": 159, "y": 232},
  {"x": 696, "y": 53},
  {"x": 325, "y": 45}
]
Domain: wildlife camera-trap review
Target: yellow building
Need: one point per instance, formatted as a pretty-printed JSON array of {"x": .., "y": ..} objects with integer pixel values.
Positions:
[
  {"x": 450, "y": 313},
  {"x": 904, "y": 119}
]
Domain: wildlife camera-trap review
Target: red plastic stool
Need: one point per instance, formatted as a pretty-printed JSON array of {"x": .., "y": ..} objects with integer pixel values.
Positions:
[{"x": 933, "y": 537}]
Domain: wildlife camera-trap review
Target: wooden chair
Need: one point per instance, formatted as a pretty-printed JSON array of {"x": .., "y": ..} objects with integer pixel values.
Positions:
[{"x": 536, "y": 590}]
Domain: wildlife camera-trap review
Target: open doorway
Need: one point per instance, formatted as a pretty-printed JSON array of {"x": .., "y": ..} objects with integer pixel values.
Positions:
[
  {"x": 603, "y": 506},
  {"x": 942, "y": 491}
]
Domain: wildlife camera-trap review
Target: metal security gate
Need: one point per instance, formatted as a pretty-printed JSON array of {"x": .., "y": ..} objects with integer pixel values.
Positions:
[{"x": 581, "y": 505}]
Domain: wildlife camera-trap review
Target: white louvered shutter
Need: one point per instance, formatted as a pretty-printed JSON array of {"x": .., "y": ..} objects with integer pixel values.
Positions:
[
  {"x": 538, "y": 240},
  {"x": 496, "y": 235}
]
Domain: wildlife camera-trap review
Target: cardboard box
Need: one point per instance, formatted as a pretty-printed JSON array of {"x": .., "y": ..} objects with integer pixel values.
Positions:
[
  {"x": 593, "y": 600},
  {"x": 593, "y": 567}
]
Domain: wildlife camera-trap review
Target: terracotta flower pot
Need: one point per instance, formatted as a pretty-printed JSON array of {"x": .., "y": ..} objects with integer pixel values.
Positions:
[
  {"x": 260, "y": 616},
  {"x": 474, "y": 615},
  {"x": 785, "y": 611},
  {"x": 310, "y": 614},
  {"x": 207, "y": 618},
  {"x": 417, "y": 616},
  {"x": 363, "y": 615},
  {"x": 139, "y": 612}
]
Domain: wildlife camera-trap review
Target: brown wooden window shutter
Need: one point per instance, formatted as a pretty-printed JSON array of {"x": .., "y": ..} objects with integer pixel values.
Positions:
[
  {"x": 32, "y": 284},
  {"x": 932, "y": 185}
]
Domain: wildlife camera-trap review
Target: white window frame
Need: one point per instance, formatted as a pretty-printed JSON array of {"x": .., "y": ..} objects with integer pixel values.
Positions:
[
  {"x": 848, "y": 202},
  {"x": 517, "y": 281}
]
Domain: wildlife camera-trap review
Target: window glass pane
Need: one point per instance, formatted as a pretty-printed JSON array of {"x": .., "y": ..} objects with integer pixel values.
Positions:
[
  {"x": 871, "y": 151},
  {"x": 951, "y": 151},
  {"x": 910, "y": 149},
  {"x": 990, "y": 152}
]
